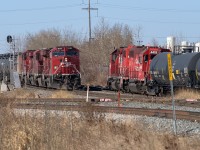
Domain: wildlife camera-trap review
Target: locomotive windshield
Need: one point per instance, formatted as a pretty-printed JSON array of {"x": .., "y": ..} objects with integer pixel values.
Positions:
[
  {"x": 58, "y": 53},
  {"x": 152, "y": 56},
  {"x": 131, "y": 53},
  {"x": 71, "y": 53}
]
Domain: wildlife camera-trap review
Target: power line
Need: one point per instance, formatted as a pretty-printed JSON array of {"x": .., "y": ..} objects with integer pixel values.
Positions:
[
  {"x": 154, "y": 21},
  {"x": 114, "y": 18},
  {"x": 106, "y": 5},
  {"x": 150, "y": 9},
  {"x": 42, "y": 8},
  {"x": 41, "y": 22}
]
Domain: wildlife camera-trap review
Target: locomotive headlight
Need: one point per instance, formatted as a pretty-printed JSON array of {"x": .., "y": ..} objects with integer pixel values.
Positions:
[
  {"x": 65, "y": 59},
  {"x": 55, "y": 67}
]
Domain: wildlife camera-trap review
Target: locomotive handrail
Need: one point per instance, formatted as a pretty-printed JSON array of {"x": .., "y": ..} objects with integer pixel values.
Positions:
[{"x": 57, "y": 69}]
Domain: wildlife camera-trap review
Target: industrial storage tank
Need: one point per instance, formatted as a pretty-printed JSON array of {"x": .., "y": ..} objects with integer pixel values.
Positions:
[
  {"x": 187, "y": 47},
  {"x": 171, "y": 43},
  {"x": 197, "y": 47},
  {"x": 183, "y": 67}
]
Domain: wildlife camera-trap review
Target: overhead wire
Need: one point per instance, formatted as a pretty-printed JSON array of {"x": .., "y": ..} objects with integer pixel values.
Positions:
[
  {"x": 134, "y": 8},
  {"x": 41, "y": 8},
  {"x": 154, "y": 21},
  {"x": 104, "y": 5},
  {"x": 40, "y": 22}
]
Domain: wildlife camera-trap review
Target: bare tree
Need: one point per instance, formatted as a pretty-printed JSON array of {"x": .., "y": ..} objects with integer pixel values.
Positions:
[
  {"x": 96, "y": 54},
  {"x": 43, "y": 39}
]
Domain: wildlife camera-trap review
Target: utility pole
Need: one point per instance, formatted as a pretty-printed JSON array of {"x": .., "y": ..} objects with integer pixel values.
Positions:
[
  {"x": 138, "y": 37},
  {"x": 89, "y": 16}
]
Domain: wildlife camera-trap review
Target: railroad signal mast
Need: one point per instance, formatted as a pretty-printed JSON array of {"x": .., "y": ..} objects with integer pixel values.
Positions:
[
  {"x": 11, "y": 41},
  {"x": 14, "y": 76}
]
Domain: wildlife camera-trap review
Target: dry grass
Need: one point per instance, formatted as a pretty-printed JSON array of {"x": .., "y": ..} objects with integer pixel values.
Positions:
[
  {"x": 27, "y": 93},
  {"x": 19, "y": 93},
  {"x": 89, "y": 132},
  {"x": 187, "y": 94},
  {"x": 62, "y": 94}
]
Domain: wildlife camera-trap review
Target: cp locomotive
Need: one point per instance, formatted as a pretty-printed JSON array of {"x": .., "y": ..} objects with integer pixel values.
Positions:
[
  {"x": 57, "y": 67},
  {"x": 144, "y": 69}
]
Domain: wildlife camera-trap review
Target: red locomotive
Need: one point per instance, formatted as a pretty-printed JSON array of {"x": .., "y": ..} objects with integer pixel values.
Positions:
[
  {"x": 129, "y": 68},
  {"x": 57, "y": 67}
]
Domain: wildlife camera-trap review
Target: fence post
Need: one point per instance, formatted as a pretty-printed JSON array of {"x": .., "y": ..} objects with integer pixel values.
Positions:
[{"x": 87, "y": 92}]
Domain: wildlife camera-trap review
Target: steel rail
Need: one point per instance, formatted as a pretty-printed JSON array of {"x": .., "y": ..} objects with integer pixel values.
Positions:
[{"x": 161, "y": 113}]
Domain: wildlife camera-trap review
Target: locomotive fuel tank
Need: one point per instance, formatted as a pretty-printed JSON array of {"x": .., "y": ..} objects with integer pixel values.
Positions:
[{"x": 183, "y": 67}]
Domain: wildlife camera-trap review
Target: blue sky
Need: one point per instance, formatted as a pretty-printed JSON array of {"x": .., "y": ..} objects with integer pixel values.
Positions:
[{"x": 157, "y": 19}]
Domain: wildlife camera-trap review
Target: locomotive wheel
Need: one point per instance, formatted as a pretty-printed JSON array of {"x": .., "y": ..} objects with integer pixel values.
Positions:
[
  {"x": 36, "y": 83},
  {"x": 69, "y": 87}
]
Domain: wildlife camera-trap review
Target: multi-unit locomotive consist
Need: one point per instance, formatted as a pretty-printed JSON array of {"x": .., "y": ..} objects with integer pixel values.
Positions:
[
  {"x": 57, "y": 67},
  {"x": 144, "y": 69},
  {"x": 130, "y": 66},
  {"x": 135, "y": 69}
]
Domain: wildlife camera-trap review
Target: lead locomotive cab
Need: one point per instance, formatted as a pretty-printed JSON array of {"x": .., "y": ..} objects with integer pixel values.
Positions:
[{"x": 65, "y": 67}]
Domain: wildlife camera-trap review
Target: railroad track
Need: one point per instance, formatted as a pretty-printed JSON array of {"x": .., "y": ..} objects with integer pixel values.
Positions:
[
  {"x": 192, "y": 104},
  {"x": 161, "y": 113}
]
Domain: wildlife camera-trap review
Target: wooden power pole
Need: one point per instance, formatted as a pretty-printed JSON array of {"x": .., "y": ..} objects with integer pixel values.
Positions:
[{"x": 89, "y": 16}]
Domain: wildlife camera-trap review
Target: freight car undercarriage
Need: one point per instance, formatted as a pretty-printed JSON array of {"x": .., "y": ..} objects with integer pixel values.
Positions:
[
  {"x": 141, "y": 87},
  {"x": 69, "y": 82},
  {"x": 129, "y": 86}
]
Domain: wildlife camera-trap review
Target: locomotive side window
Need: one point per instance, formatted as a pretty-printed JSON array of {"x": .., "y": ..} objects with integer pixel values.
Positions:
[
  {"x": 145, "y": 58},
  {"x": 131, "y": 53},
  {"x": 114, "y": 56},
  {"x": 24, "y": 56},
  {"x": 124, "y": 53},
  {"x": 37, "y": 56}
]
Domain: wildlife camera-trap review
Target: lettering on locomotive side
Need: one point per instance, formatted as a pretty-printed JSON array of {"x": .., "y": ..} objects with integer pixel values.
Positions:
[
  {"x": 138, "y": 68},
  {"x": 153, "y": 52}
]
